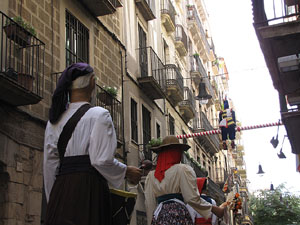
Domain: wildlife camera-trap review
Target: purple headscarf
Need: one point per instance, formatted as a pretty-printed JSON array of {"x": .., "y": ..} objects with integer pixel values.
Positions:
[{"x": 60, "y": 96}]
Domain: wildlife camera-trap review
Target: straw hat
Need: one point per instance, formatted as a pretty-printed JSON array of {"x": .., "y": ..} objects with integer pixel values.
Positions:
[{"x": 168, "y": 142}]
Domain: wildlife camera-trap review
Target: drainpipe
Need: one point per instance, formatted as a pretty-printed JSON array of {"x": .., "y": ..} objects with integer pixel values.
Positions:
[{"x": 123, "y": 124}]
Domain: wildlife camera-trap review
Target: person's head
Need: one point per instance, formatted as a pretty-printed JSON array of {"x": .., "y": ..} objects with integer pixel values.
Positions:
[
  {"x": 82, "y": 88},
  {"x": 226, "y": 104},
  {"x": 65, "y": 83}
]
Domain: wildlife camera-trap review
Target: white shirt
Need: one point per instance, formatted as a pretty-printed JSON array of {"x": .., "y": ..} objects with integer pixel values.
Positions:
[
  {"x": 94, "y": 135},
  {"x": 179, "y": 178}
]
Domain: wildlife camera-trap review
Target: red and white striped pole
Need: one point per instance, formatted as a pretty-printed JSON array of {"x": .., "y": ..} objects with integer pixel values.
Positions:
[{"x": 212, "y": 132}]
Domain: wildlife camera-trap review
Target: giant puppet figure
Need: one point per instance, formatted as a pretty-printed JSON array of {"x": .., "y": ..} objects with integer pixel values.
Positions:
[{"x": 227, "y": 124}]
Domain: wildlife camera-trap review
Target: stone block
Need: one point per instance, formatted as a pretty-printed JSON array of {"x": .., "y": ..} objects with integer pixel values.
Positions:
[
  {"x": 15, "y": 176},
  {"x": 34, "y": 203},
  {"x": 24, "y": 152},
  {"x": 13, "y": 211},
  {"x": 9, "y": 222},
  {"x": 16, "y": 193},
  {"x": 11, "y": 153},
  {"x": 27, "y": 178}
]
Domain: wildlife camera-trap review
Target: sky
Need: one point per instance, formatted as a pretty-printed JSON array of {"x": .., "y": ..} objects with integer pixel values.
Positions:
[{"x": 253, "y": 94}]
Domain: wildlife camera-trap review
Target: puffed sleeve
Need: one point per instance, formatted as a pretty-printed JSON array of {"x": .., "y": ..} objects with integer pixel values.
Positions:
[
  {"x": 51, "y": 160},
  {"x": 190, "y": 193},
  {"x": 149, "y": 197},
  {"x": 103, "y": 144}
]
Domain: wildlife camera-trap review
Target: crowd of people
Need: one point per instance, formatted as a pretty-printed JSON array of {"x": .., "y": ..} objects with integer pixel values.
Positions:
[{"x": 79, "y": 165}]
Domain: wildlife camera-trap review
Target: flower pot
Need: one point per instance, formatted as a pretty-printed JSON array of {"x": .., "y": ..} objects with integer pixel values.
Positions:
[
  {"x": 18, "y": 34},
  {"x": 105, "y": 98},
  {"x": 26, "y": 80}
]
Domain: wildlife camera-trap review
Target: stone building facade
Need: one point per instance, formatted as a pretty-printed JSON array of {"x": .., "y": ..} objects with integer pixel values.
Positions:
[{"x": 22, "y": 125}]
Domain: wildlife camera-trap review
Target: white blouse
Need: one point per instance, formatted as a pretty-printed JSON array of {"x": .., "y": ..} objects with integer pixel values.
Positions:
[
  {"x": 94, "y": 135},
  {"x": 179, "y": 178}
]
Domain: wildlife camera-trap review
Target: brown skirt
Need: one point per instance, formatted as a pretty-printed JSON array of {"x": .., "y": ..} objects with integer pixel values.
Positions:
[{"x": 81, "y": 198}]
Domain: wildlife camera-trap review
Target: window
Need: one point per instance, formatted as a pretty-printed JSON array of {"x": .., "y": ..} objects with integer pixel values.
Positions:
[
  {"x": 204, "y": 161},
  {"x": 77, "y": 40},
  {"x": 171, "y": 125},
  {"x": 143, "y": 52},
  {"x": 146, "y": 130},
  {"x": 157, "y": 130},
  {"x": 134, "y": 121}
]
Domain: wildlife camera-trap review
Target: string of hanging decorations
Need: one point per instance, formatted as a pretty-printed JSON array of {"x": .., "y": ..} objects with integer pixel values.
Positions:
[{"x": 213, "y": 132}]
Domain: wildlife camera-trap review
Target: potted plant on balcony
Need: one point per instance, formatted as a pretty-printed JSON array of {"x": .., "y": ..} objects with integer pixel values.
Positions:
[
  {"x": 19, "y": 31},
  {"x": 154, "y": 143},
  {"x": 108, "y": 95}
]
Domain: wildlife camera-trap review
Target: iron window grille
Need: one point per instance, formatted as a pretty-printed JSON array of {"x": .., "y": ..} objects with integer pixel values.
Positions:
[
  {"x": 146, "y": 131},
  {"x": 77, "y": 40},
  {"x": 134, "y": 122},
  {"x": 171, "y": 125}
]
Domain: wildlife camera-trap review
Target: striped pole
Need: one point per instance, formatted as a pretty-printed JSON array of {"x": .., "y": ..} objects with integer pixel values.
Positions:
[{"x": 212, "y": 132}]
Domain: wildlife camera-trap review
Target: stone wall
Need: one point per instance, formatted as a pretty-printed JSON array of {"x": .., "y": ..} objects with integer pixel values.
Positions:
[{"x": 21, "y": 172}]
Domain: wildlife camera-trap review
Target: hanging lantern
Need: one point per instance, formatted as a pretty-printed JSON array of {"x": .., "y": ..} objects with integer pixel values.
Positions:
[
  {"x": 260, "y": 171},
  {"x": 203, "y": 96}
]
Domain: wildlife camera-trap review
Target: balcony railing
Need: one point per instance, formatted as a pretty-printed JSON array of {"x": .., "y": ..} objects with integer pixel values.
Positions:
[
  {"x": 283, "y": 11},
  {"x": 145, "y": 152},
  {"x": 211, "y": 142},
  {"x": 221, "y": 176},
  {"x": 147, "y": 8},
  {"x": 153, "y": 74},
  {"x": 193, "y": 17},
  {"x": 21, "y": 64},
  {"x": 181, "y": 40},
  {"x": 174, "y": 81},
  {"x": 101, "y": 7},
  {"x": 105, "y": 100},
  {"x": 197, "y": 68},
  {"x": 215, "y": 191},
  {"x": 199, "y": 172},
  {"x": 188, "y": 105},
  {"x": 168, "y": 15}
]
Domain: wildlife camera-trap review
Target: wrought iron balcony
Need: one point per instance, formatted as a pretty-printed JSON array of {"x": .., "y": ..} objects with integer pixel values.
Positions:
[
  {"x": 147, "y": 8},
  {"x": 187, "y": 106},
  {"x": 107, "y": 101},
  {"x": 174, "y": 81},
  {"x": 101, "y": 7},
  {"x": 197, "y": 69},
  {"x": 146, "y": 152},
  {"x": 153, "y": 74},
  {"x": 215, "y": 191},
  {"x": 181, "y": 40},
  {"x": 21, "y": 64},
  {"x": 197, "y": 31},
  {"x": 221, "y": 177},
  {"x": 168, "y": 15},
  {"x": 199, "y": 172},
  {"x": 278, "y": 34},
  {"x": 211, "y": 143}
]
